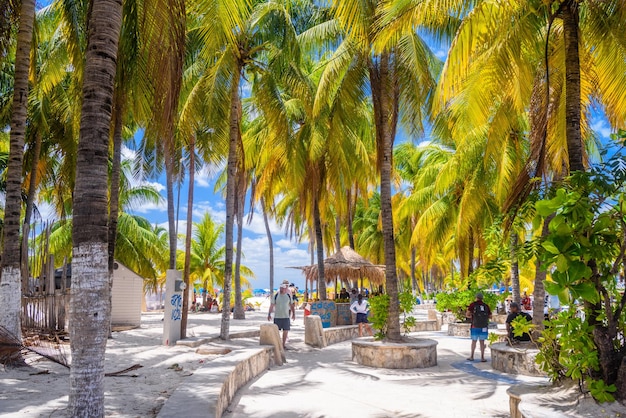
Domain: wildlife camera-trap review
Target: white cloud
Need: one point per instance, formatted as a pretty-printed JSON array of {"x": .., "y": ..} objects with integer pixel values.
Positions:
[
  {"x": 148, "y": 207},
  {"x": 441, "y": 54},
  {"x": 602, "y": 127},
  {"x": 206, "y": 176},
  {"x": 256, "y": 257},
  {"x": 127, "y": 153}
]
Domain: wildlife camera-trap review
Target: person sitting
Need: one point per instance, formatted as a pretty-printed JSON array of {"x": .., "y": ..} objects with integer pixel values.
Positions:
[
  {"x": 343, "y": 294},
  {"x": 526, "y": 302},
  {"x": 515, "y": 312}
]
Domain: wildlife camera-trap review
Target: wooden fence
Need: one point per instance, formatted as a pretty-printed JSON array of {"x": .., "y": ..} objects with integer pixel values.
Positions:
[{"x": 45, "y": 313}]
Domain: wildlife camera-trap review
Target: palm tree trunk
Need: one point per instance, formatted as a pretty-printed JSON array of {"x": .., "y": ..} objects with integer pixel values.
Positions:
[
  {"x": 270, "y": 242},
  {"x": 10, "y": 295},
  {"x": 515, "y": 268},
  {"x": 349, "y": 222},
  {"x": 231, "y": 178},
  {"x": 171, "y": 218},
  {"x": 470, "y": 253},
  {"x": 187, "y": 266},
  {"x": 114, "y": 200},
  {"x": 385, "y": 101},
  {"x": 572, "y": 86},
  {"x": 539, "y": 293},
  {"x": 414, "y": 284},
  {"x": 90, "y": 307},
  {"x": 115, "y": 176},
  {"x": 319, "y": 244},
  {"x": 30, "y": 203},
  {"x": 239, "y": 312},
  {"x": 337, "y": 233}
]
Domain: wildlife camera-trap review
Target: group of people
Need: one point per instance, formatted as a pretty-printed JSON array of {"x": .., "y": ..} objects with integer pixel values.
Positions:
[
  {"x": 479, "y": 314},
  {"x": 283, "y": 306},
  {"x": 211, "y": 305}
]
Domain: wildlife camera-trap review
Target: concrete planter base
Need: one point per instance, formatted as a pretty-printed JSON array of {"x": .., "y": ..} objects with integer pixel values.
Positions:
[
  {"x": 516, "y": 359},
  {"x": 459, "y": 329},
  {"x": 414, "y": 353}
]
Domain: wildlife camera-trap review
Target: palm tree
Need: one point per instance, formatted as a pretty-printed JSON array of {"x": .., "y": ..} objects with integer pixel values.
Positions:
[
  {"x": 207, "y": 256},
  {"x": 90, "y": 306},
  {"x": 10, "y": 276},
  {"x": 401, "y": 76},
  {"x": 235, "y": 35},
  {"x": 138, "y": 245}
]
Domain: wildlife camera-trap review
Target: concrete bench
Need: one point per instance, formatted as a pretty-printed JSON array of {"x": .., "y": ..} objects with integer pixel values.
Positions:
[{"x": 210, "y": 389}]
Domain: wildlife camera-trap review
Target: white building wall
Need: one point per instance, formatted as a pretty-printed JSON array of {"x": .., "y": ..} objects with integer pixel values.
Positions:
[{"x": 126, "y": 297}]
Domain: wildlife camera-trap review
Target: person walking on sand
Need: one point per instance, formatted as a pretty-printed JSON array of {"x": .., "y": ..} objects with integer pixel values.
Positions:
[
  {"x": 361, "y": 308},
  {"x": 282, "y": 305},
  {"x": 479, "y": 313}
]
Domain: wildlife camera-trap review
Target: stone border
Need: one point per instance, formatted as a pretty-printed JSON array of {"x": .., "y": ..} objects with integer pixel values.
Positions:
[
  {"x": 420, "y": 353},
  {"x": 194, "y": 342},
  {"x": 317, "y": 336},
  {"x": 210, "y": 389},
  {"x": 517, "y": 359},
  {"x": 459, "y": 329}
]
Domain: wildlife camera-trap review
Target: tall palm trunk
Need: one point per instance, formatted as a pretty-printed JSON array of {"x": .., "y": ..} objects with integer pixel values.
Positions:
[
  {"x": 515, "y": 268},
  {"x": 238, "y": 311},
  {"x": 231, "y": 178},
  {"x": 319, "y": 244},
  {"x": 572, "y": 86},
  {"x": 115, "y": 176},
  {"x": 187, "y": 266},
  {"x": 414, "y": 284},
  {"x": 337, "y": 233},
  {"x": 114, "y": 200},
  {"x": 169, "y": 185},
  {"x": 270, "y": 242},
  {"x": 10, "y": 295},
  {"x": 385, "y": 101},
  {"x": 90, "y": 307},
  {"x": 539, "y": 293},
  {"x": 30, "y": 203},
  {"x": 349, "y": 223}
]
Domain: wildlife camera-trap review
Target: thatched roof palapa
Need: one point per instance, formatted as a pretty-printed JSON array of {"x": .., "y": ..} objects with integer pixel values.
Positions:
[{"x": 347, "y": 265}]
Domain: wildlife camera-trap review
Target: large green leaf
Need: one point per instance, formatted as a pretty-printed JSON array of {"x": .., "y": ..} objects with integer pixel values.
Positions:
[{"x": 550, "y": 247}]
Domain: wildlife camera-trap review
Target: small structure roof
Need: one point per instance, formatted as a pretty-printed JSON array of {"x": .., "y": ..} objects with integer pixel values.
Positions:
[{"x": 347, "y": 264}]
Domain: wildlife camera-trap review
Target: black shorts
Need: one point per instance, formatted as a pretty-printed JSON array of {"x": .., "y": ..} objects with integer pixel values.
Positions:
[
  {"x": 361, "y": 318},
  {"x": 283, "y": 323}
]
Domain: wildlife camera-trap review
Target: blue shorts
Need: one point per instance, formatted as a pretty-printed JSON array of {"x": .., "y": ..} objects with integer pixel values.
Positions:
[
  {"x": 283, "y": 323},
  {"x": 361, "y": 318},
  {"x": 479, "y": 333}
]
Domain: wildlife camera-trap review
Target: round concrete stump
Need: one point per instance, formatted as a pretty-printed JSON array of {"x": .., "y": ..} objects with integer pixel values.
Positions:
[
  {"x": 413, "y": 353},
  {"x": 459, "y": 329},
  {"x": 516, "y": 359}
]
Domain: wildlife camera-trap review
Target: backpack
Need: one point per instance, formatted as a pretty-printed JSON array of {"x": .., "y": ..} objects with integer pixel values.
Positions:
[
  {"x": 290, "y": 298},
  {"x": 480, "y": 316}
]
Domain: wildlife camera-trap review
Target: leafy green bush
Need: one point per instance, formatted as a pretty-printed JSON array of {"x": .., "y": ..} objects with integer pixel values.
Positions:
[
  {"x": 380, "y": 312},
  {"x": 457, "y": 302},
  {"x": 583, "y": 252}
]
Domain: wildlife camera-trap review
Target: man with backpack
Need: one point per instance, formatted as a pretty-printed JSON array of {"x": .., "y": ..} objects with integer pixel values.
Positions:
[
  {"x": 479, "y": 314},
  {"x": 282, "y": 305}
]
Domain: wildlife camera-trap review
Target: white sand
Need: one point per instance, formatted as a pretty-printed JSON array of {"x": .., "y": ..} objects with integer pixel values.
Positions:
[{"x": 24, "y": 393}]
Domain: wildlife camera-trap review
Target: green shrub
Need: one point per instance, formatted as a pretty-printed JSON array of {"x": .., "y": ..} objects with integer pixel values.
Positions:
[{"x": 457, "y": 302}]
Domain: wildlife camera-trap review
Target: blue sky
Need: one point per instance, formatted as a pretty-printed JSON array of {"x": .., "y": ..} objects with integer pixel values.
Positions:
[{"x": 287, "y": 252}]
